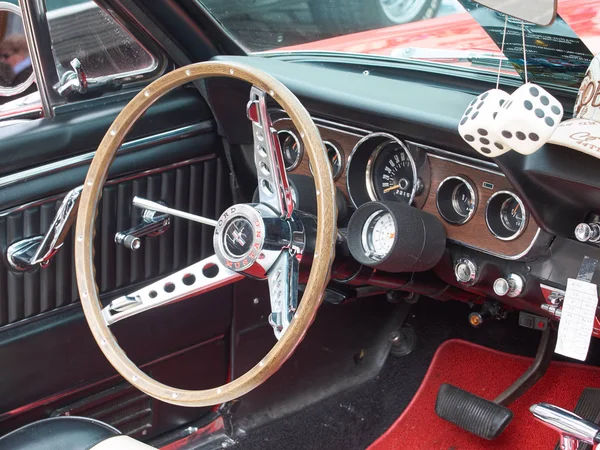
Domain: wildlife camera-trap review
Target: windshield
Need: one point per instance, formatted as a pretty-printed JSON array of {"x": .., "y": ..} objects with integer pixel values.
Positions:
[{"x": 450, "y": 32}]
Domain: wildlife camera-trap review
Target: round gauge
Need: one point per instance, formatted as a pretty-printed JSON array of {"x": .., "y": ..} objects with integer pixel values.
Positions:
[
  {"x": 463, "y": 200},
  {"x": 335, "y": 159},
  {"x": 291, "y": 148},
  {"x": 391, "y": 173},
  {"x": 511, "y": 214},
  {"x": 378, "y": 235},
  {"x": 505, "y": 215},
  {"x": 456, "y": 200}
]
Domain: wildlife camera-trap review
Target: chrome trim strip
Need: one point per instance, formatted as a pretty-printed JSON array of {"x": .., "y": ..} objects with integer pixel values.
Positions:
[
  {"x": 455, "y": 161},
  {"x": 112, "y": 181},
  {"x": 130, "y": 146},
  {"x": 460, "y": 159}
]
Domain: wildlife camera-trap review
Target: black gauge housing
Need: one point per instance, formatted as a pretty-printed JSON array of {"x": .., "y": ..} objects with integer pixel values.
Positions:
[{"x": 419, "y": 240}]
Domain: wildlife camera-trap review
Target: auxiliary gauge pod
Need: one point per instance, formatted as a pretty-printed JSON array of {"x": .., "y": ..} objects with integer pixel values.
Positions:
[{"x": 395, "y": 237}]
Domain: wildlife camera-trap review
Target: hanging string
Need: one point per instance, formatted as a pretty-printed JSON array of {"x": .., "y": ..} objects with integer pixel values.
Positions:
[
  {"x": 501, "y": 51},
  {"x": 524, "y": 50}
]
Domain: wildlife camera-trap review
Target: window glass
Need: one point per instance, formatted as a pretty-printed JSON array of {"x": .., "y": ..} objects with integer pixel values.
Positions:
[
  {"x": 455, "y": 33},
  {"x": 81, "y": 29}
]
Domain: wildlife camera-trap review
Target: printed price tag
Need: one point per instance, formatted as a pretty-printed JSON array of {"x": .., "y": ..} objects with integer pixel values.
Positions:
[{"x": 577, "y": 319}]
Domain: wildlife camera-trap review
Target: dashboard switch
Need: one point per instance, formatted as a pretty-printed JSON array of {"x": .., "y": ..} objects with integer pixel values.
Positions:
[
  {"x": 465, "y": 271},
  {"x": 588, "y": 232},
  {"x": 511, "y": 286}
]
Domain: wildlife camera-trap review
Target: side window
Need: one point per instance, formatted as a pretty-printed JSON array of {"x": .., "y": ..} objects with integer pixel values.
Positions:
[{"x": 81, "y": 29}]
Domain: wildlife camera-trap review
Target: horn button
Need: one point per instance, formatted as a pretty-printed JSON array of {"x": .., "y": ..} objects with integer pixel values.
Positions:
[{"x": 250, "y": 238}]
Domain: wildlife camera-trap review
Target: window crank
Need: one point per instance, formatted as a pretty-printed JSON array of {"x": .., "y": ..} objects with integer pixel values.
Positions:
[{"x": 153, "y": 224}]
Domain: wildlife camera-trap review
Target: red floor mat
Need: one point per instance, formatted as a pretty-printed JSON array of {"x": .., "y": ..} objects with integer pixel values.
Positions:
[{"x": 486, "y": 373}]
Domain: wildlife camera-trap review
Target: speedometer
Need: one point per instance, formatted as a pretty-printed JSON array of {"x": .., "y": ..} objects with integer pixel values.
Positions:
[{"x": 391, "y": 173}]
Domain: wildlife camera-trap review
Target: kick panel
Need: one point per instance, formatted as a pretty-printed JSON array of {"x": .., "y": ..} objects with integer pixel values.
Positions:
[{"x": 199, "y": 186}]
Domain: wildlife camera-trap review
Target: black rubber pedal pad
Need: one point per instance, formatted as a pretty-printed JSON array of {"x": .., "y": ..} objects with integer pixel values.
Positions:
[{"x": 474, "y": 414}]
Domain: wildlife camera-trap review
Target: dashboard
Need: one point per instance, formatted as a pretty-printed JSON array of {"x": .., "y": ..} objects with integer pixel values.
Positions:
[
  {"x": 391, "y": 134},
  {"x": 474, "y": 201}
]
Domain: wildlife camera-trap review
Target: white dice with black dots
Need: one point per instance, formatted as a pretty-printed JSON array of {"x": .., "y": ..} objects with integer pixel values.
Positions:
[
  {"x": 477, "y": 125},
  {"x": 528, "y": 120}
]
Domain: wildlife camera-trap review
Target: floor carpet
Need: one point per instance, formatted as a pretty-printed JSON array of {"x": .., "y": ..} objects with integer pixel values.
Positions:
[{"x": 486, "y": 373}]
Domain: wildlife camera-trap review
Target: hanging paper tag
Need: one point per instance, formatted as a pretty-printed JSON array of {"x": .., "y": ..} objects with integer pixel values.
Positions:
[{"x": 577, "y": 319}]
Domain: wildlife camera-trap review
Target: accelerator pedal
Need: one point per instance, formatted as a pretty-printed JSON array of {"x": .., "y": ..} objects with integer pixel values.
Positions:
[
  {"x": 472, "y": 413},
  {"x": 588, "y": 408}
]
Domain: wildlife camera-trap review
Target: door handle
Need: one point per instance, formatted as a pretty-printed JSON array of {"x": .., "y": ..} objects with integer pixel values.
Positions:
[{"x": 26, "y": 253}]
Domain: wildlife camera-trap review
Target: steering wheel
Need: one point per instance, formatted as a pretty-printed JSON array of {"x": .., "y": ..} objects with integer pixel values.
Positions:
[{"x": 264, "y": 240}]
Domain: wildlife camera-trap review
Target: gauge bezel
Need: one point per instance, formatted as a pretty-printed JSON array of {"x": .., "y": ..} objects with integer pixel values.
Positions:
[
  {"x": 365, "y": 235},
  {"x": 340, "y": 156},
  {"x": 472, "y": 191},
  {"x": 524, "y": 223},
  {"x": 373, "y": 157},
  {"x": 300, "y": 149}
]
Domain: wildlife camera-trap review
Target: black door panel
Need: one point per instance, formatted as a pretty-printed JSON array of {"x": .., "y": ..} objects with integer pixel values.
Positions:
[
  {"x": 46, "y": 348},
  {"x": 199, "y": 187}
]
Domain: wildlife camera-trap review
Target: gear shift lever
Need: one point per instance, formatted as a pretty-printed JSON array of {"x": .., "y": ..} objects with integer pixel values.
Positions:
[{"x": 572, "y": 428}]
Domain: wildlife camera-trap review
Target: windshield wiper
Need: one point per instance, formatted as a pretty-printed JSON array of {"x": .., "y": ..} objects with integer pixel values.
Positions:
[{"x": 477, "y": 58}]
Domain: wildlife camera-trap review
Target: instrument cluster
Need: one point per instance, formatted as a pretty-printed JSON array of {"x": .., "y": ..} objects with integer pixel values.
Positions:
[{"x": 472, "y": 199}]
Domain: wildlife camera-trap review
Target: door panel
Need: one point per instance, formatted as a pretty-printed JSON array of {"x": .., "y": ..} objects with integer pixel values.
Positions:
[
  {"x": 197, "y": 187},
  {"x": 51, "y": 361}
]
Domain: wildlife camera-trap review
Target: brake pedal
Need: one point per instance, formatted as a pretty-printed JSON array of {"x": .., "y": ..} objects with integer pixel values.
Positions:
[{"x": 475, "y": 414}]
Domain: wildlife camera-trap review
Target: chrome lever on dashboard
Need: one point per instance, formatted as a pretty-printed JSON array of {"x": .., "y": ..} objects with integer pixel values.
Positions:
[
  {"x": 153, "y": 224},
  {"x": 27, "y": 253}
]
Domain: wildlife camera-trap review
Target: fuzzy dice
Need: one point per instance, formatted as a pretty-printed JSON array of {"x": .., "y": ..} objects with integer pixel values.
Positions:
[
  {"x": 478, "y": 124},
  {"x": 528, "y": 119}
]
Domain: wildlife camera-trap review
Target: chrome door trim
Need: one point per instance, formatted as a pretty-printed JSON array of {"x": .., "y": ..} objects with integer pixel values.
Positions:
[
  {"x": 37, "y": 33},
  {"x": 129, "y": 146},
  {"x": 120, "y": 179}
]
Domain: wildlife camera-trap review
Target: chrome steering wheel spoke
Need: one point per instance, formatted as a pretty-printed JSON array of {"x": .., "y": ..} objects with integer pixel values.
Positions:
[
  {"x": 273, "y": 186},
  {"x": 283, "y": 289},
  {"x": 197, "y": 279}
]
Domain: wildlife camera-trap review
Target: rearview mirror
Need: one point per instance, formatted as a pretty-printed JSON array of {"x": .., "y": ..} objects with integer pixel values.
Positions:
[
  {"x": 539, "y": 12},
  {"x": 16, "y": 72}
]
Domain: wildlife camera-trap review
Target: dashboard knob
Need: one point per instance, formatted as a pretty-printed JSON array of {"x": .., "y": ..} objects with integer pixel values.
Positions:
[
  {"x": 588, "y": 232},
  {"x": 511, "y": 286},
  {"x": 465, "y": 271}
]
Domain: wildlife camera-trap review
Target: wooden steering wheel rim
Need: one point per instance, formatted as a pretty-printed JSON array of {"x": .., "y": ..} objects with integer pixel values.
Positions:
[{"x": 324, "y": 249}]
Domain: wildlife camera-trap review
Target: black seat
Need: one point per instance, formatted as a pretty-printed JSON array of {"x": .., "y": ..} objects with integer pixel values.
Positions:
[{"x": 65, "y": 433}]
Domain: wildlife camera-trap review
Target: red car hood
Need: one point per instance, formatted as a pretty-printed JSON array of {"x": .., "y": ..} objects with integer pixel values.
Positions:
[{"x": 456, "y": 31}]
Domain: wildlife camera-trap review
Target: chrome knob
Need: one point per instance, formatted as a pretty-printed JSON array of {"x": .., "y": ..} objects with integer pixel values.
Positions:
[
  {"x": 501, "y": 287},
  {"x": 465, "y": 271},
  {"x": 588, "y": 232},
  {"x": 511, "y": 286},
  {"x": 572, "y": 428}
]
